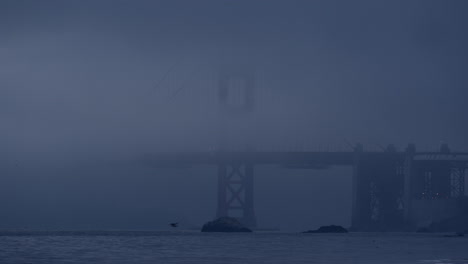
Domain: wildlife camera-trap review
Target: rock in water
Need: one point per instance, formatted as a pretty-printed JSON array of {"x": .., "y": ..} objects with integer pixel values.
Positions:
[
  {"x": 329, "y": 229},
  {"x": 225, "y": 224}
]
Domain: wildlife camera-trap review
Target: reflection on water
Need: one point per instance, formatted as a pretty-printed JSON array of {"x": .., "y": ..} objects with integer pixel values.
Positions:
[
  {"x": 446, "y": 261},
  {"x": 195, "y": 247}
]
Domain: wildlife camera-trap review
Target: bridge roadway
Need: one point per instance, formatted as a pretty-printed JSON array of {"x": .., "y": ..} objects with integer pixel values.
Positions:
[
  {"x": 255, "y": 157},
  {"x": 258, "y": 158},
  {"x": 315, "y": 159}
]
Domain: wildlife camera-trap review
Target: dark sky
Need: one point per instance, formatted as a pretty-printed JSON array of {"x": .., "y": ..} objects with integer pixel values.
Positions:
[{"x": 86, "y": 87}]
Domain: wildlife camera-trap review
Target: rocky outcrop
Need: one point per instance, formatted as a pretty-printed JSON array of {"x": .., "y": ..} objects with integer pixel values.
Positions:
[
  {"x": 454, "y": 224},
  {"x": 458, "y": 224},
  {"x": 329, "y": 229},
  {"x": 225, "y": 224}
]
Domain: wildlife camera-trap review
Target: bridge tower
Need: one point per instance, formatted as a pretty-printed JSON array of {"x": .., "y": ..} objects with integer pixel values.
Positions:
[{"x": 235, "y": 177}]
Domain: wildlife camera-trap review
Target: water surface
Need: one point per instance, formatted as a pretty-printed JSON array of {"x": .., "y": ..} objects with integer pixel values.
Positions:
[{"x": 196, "y": 247}]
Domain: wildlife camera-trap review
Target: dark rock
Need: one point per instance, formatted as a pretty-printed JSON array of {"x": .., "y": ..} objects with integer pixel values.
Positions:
[
  {"x": 453, "y": 224},
  {"x": 456, "y": 223},
  {"x": 225, "y": 224},
  {"x": 457, "y": 234},
  {"x": 329, "y": 229}
]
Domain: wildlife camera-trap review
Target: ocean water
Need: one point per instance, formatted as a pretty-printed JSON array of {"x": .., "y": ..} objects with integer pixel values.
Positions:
[{"x": 196, "y": 247}]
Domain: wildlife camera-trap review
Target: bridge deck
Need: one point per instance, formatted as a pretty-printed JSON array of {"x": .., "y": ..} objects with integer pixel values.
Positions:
[{"x": 299, "y": 158}]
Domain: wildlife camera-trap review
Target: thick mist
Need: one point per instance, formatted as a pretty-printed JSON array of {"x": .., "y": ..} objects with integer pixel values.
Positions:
[{"x": 89, "y": 87}]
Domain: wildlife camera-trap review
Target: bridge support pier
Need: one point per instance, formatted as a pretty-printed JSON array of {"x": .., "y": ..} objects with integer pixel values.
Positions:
[
  {"x": 457, "y": 178},
  {"x": 378, "y": 184},
  {"x": 235, "y": 192},
  {"x": 409, "y": 169},
  {"x": 359, "y": 195},
  {"x": 435, "y": 186}
]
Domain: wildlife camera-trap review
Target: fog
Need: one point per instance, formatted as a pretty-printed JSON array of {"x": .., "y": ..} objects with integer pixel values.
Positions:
[{"x": 89, "y": 87}]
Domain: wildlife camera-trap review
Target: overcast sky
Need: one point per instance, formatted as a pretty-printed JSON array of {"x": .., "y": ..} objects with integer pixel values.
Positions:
[{"x": 86, "y": 87}]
